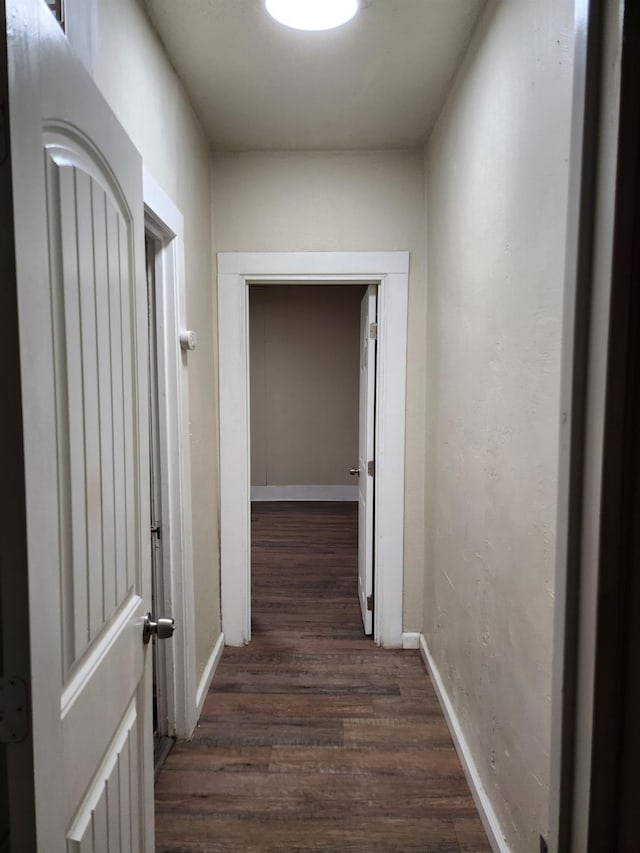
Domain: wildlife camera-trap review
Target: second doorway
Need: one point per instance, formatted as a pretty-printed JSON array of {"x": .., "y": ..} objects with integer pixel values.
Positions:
[{"x": 312, "y": 403}]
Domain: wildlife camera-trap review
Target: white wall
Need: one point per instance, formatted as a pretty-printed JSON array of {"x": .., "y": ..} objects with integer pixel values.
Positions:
[
  {"x": 138, "y": 82},
  {"x": 355, "y": 201},
  {"x": 304, "y": 369},
  {"x": 496, "y": 208}
]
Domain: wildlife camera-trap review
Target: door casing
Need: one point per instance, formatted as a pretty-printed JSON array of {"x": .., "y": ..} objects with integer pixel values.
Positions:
[
  {"x": 236, "y": 271},
  {"x": 165, "y": 223}
]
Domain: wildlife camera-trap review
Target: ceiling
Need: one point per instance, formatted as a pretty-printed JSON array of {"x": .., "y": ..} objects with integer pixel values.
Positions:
[{"x": 376, "y": 83}]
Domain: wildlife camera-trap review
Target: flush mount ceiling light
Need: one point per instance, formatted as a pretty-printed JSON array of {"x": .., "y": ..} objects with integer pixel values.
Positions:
[{"x": 312, "y": 14}]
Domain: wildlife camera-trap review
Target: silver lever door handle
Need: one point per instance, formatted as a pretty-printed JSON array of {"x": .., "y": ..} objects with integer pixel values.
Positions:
[
  {"x": 355, "y": 472},
  {"x": 163, "y": 628}
]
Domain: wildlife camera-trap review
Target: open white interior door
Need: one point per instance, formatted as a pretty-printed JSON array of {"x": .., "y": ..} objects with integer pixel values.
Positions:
[
  {"x": 366, "y": 464},
  {"x": 79, "y": 231}
]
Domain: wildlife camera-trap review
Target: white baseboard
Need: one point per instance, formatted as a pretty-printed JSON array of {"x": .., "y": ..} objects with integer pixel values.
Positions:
[
  {"x": 411, "y": 640},
  {"x": 480, "y": 796},
  {"x": 209, "y": 672},
  {"x": 304, "y": 493}
]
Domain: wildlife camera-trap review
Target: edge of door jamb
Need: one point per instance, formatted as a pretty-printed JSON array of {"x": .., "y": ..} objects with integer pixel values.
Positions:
[{"x": 165, "y": 222}]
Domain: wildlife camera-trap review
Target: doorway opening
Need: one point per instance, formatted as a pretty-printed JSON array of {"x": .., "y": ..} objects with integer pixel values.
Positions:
[
  {"x": 388, "y": 271},
  {"x": 312, "y": 399},
  {"x": 162, "y": 742}
]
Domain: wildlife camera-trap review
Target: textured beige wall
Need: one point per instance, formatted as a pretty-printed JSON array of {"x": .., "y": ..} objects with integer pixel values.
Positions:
[
  {"x": 304, "y": 368},
  {"x": 341, "y": 201},
  {"x": 137, "y": 80},
  {"x": 497, "y": 181}
]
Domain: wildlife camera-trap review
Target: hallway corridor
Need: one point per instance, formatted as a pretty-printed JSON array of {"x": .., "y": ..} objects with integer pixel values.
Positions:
[{"x": 312, "y": 738}]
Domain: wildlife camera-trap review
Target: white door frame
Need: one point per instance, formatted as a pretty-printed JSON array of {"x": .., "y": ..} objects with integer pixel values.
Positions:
[
  {"x": 175, "y": 594},
  {"x": 236, "y": 270}
]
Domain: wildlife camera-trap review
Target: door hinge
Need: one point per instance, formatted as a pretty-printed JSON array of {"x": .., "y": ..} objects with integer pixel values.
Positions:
[
  {"x": 156, "y": 528},
  {"x": 371, "y": 468},
  {"x": 373, "y": 331},
  {"x": 370, "y": 602},
  {"x": 14, "y": 721}
]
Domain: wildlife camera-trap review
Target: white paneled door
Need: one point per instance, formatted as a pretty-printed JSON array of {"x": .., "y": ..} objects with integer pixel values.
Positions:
[
  {"x": 79, "y": 232},
  {"x": 366, "y": 462}
]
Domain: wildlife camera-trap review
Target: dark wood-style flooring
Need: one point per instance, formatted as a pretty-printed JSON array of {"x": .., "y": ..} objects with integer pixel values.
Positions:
[{"x": 312, "y": 738}]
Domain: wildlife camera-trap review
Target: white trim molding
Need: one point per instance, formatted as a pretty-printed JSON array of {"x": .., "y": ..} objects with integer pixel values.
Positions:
[
  {"x": 209, "y": 671},
  {"x": 165, "y": 222},
  {"x": 480, "y": 797},
  {"x": 236, "y": 270},
  {"x": 411, "y": 640},
  {"x": 304, "y": 493}
]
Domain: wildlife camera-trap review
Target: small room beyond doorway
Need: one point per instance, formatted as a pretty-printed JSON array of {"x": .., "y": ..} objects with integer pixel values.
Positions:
[{"x": 304, "y": 403}]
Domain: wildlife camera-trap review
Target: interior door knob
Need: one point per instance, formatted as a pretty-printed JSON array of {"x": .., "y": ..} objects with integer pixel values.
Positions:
[
  {"x": 163, "y": 629},
  {"x": 355, "y": 472}
]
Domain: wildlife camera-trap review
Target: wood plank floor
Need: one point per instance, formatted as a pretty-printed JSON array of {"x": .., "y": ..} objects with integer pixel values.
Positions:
[{"x": 312, "y": 738}]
